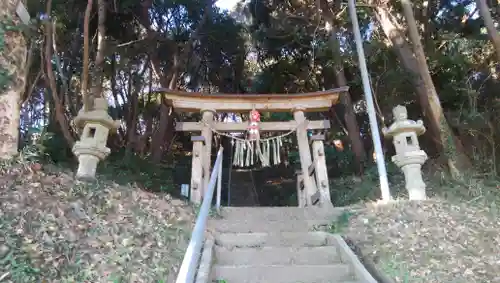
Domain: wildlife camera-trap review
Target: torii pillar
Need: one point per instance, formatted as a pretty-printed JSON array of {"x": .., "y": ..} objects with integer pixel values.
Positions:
[
  {"x": 206, "y": 132},
  {"x": 304, "y": 153}
]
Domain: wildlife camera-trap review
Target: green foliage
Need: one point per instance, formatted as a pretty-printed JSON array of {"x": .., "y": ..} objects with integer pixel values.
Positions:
[
  {"x": 121, "y": 167},
  {"x": 348, "y": 190},
  {"x": 276, "y": 116},
  {"x": 336, "y": 161},
  {"x": 399, "y": 270},
  {"x": 340, "y": 223},
  {"x": 54, "y": 147},
  {"x": 212, "y": 212},
  {"x": 342, "y": 161},
  {"x": 294, "y": 158},
  {"x": 126, "y": 168},
  {"x": 226, "y": 68},
  {"x": 44, "y": 146}
]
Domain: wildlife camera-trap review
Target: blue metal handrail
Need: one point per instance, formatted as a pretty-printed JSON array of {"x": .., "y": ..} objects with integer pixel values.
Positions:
[{"x": 192, "y": 256}]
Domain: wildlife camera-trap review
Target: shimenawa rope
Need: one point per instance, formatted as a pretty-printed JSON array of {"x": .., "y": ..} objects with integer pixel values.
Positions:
[{"x": 244, "y": 149}]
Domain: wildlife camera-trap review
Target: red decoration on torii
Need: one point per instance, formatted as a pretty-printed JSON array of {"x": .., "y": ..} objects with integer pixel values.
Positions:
[
  {"x": 254, "y": 115},
  {"x": 253, "y": 127}
]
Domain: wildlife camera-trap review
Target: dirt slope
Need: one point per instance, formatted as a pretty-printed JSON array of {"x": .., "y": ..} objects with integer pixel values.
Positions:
[
  {"x": 437, "y": 240},
  {"x": 56, "y": 229}
]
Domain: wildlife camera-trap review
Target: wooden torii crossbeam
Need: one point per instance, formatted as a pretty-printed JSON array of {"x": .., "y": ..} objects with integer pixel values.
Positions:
[{"x": 311, "y": 102}]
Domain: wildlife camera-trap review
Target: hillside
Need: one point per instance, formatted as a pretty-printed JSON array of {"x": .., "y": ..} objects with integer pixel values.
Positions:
[
  {"x": 451, "y": 237},
  {"x": 56, "y": 229}
]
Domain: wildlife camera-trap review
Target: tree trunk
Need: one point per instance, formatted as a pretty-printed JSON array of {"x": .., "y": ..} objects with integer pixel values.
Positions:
[
  {"x": 59, "y": 109},
  {"x": 393, "y": 32},
  {"x": 457, "y": 160},
  {"x": 101, "y": 46},
  {"x": 396, "y": 37},
  {"x": 132, "y": 123},
  {"x": 490, "y": 25},
  {"x": 158, "y": 138},
  {"x": 349, "y": 115},
  {"x": 12, "y": 61},
  {"x": 144, "y": 143},
  {"x": 164, "y": 132},
  {"x": 85, "y": 73}
]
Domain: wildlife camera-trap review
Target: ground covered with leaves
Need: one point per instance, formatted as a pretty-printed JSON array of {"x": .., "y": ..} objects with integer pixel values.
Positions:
[
  {"x": 451, "y": 237},
  {"x": 56, "y": 229}
]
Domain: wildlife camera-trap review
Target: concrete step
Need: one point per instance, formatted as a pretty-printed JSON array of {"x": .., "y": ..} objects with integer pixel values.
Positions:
[
  {"x": 333, "y": 273},
  {"x": 247, "y": 226},
  {"x": 276, "y": 239},
  {"x": 279, "y": 213},
  {"x": 277, "y": 256}
]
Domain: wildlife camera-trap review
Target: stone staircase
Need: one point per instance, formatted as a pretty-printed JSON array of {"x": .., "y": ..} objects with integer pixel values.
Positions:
[{"x": 277, "y": 245}]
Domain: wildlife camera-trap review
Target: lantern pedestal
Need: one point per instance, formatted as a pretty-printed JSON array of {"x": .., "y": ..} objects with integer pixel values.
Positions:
[
  {"x": 88, "y": 158},
  {"x": 411, "y": 165},
  {"x": 91, "y": 148}
]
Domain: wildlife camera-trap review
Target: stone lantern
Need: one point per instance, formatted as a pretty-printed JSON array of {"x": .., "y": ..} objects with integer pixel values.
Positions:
[
  {"x": 92, "y": 145},
  {"x": 409, "y": 157}
]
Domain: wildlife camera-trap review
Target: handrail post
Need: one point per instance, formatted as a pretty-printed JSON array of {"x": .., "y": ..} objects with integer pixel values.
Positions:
[
  {"x": 219, "y": 188},
  {"x": 192, "y": 256}
]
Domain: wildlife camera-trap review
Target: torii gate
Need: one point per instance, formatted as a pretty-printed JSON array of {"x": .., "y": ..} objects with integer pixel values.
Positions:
[
  {"x": 312, "y": 179},
  {"x": 92, "y": 146}
]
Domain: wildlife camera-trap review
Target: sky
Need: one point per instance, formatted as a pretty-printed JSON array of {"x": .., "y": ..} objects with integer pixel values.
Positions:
[{"x": 226, "y": 4}]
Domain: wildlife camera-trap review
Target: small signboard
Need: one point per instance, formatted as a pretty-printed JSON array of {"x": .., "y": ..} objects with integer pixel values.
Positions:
[
  {"x": 22, "y": 13},
  {"x": 185, "y": 190}
]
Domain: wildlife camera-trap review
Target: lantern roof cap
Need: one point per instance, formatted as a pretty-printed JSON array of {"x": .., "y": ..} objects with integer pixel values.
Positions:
[
  {"x": 97, "y": 115},
  {"x": 402, "y": 124}
]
